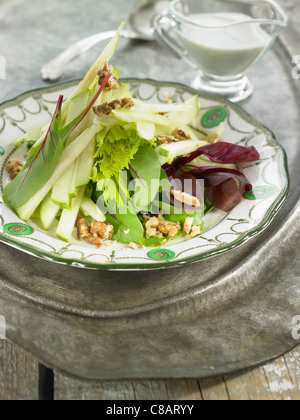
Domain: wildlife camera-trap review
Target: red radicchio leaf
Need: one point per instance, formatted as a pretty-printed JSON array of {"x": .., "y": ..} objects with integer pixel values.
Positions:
[
  {"x": 221, "y": 188},
  {"x": 222, "y": 152},
  {"x": 215, "y": 176}
]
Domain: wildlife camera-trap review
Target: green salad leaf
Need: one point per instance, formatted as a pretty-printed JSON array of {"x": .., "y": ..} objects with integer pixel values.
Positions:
[
  {"x": 43, "y": 161},
  {"x": 146, "y": 171},
  {"x": 127, "y": 227},
  {"x": 116, "y": 147}
]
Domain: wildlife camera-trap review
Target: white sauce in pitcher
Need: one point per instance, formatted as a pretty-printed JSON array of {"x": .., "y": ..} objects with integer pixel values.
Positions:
[{"x": 224, "y": 51}]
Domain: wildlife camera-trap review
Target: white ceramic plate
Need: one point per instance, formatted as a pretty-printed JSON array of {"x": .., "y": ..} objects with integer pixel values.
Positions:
[{"x": 225, "y": 231}]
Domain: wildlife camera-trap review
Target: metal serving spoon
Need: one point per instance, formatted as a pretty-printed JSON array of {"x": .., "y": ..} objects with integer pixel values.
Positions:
[{"x": 140, "y": 19}]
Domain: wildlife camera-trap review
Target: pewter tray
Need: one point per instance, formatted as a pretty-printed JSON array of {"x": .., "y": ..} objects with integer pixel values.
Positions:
[{"x": 210, "y": 318}]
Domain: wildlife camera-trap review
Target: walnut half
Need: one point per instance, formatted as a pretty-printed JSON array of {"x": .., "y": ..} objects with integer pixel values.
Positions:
[
  {"x": 96, "y": 234},
  {"x": 177, "y": 135},
  {"x": 14, "y": 167},
  {"x": 108, "y": 107},
  {"x": 103, "y": 73},
  {"x": 157, "y": 227}
]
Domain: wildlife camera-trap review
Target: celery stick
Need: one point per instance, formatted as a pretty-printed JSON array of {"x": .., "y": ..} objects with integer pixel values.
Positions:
[
  {"x": 48, "y": 212},
  {"x": 160, "y": 108},
  {"x": 67, "y": 158},
  {"x": 99, "y": 64},
  {"x": 85, "y": 165},
  {"x": 39, "y": 141},
  {"x": 146, "y": 130},
  {"x": 108, "y": 95},
  {"x": 121, "y": 92},
  {"x": 90, "y": 77},
  {"x": 60, "y": 191},
  {"x": 77, "y": 105},
  {"x": 89, "y": 208},
  {"x": 143, "y": 116},
  {"x": 73, "y": 189},
  {"x": 166, "y": 153},
  {"x": 37, "y": 213},
  {"x": 32, "y": 135},
  {"x": 68, "y": 218},
  {"x": 184, "y": 118}
]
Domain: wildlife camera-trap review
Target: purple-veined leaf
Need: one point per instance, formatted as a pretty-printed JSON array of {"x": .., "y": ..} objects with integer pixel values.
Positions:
[
  {"x": 42, "y": 163},
  {"x": 67, "y": 130},
  {"x": 222, "y": 152},
  {"x": 214, "y": 176},
  {"x": 221, "y": 187},
  {"x": 39, "y": 167}
]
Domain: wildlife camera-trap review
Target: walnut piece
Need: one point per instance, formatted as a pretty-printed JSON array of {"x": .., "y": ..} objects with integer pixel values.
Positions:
[
  {"x": 196, "y": 231},
  {"x": 96, "y": 234},
  {"x": 83, "y": 230},
  {"x": 151, "y": 226},
  {"x": 107, "y": 107},
  {"x": 102, "y": 230},
  {"x": 113, "y": 82},
  {"x": 181, "y": 135},
  {"x": 188, "y": 225},
  {"x": 95, "y": 240},
  {"x": 166, "y": 139},
  {"x": 177, "y": 135},
  {"x": 169, "y": 229},
  {"x": 13, "y": 167},
  {"x": 157, "y": 227},
  {"x": 185, "y": 198},
  {"x": 211, "y": 138}
]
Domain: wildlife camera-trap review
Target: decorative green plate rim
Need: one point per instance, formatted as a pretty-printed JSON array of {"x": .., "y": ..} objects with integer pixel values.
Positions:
[{"x": 170, "y": 263}]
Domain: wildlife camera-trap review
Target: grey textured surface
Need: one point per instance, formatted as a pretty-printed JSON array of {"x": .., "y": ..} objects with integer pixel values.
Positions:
[{"x": 206, "y": 319}]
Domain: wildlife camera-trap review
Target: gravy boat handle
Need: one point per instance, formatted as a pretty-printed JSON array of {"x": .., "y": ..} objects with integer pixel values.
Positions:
[{"x": 163, "y": 28}]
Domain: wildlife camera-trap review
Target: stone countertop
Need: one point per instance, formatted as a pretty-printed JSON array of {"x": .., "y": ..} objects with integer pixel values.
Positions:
[{"x": 34, "y": 31}]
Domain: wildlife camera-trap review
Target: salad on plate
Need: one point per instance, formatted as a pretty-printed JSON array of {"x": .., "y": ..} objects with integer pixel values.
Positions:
[{"x": 109, "y": 167}]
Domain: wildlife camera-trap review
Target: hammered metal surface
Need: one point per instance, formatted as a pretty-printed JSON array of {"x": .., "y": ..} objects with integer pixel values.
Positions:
[{"x": 213, "y": 317}]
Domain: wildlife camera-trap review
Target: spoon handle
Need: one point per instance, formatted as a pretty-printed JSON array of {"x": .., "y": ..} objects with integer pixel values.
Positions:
[{"x": 56, "y": 67}]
